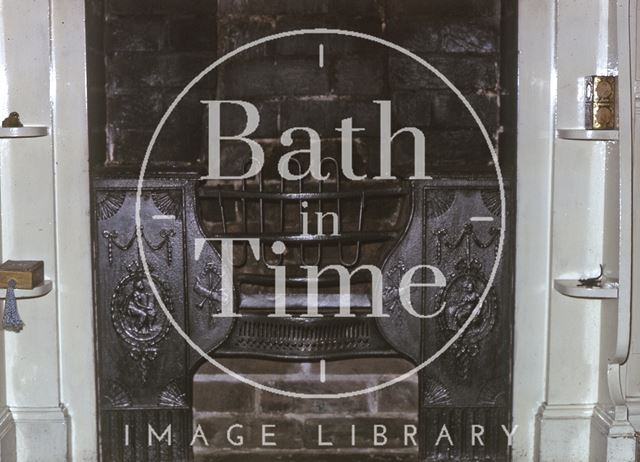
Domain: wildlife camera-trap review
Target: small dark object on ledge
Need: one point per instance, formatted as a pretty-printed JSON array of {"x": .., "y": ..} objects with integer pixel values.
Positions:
[
  {"x": 12, "y": 121},
  {"x": 594, "y": 281}
]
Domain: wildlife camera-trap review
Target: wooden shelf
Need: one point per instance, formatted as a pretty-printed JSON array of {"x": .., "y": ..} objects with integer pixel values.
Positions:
[
  {"x": 587, "y": 135},
  {"x": 39, "y": 291},
  {"x": 570, "y": 288},
  {"x": 24, "y": 132}
]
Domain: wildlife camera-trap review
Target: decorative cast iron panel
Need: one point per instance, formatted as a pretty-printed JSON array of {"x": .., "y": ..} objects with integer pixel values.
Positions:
[
  {"x": 146, "y": 368},
  {"x": 475, "y": 372}
]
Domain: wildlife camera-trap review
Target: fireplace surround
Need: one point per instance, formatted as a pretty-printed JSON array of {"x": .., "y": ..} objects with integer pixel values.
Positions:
[
  {"x": 558, "y": 378},
  {"x": 145, "y": 368},
  {"x": 426, "y": 221}
]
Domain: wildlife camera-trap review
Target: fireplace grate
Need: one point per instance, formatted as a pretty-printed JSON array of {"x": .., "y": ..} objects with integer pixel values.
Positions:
[{"x": 360, "y": 220}]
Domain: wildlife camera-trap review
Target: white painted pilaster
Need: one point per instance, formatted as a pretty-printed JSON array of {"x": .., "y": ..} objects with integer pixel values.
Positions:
[
  {"x": 567, "y": 225},
  {"x": 31, "y": 356},
  {"x": 45, "y": 216},
  {"x": 72, "y": 227},
  {"x": 536, "y": 35}
]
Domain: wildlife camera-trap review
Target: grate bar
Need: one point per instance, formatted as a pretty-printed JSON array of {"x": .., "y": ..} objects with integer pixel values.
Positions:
[
  {"x": 207, "y": 192},
  {"x": 351, "y": 236}
]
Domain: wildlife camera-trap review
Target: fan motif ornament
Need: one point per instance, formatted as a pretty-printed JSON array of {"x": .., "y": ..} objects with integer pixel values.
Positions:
[
  {"x": 108, "y": 204},
  {"x": 172, "y": 395}
]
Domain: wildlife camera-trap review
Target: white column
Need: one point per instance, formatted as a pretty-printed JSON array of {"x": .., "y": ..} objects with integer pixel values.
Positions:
[
  {"x": 584, "y": 234},
  {"x": 45, "y": 216},
  {"x": 536, "y": 30},
  {"x": 28, "y": 214},
  {"x": 7, "y": 427},
  {"x": 72, "y": 227}
]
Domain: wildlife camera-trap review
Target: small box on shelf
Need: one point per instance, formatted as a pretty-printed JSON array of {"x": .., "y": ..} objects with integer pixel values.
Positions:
[
  {"x": 600, "y": 102},
  {"x": 27, "y": 273}
]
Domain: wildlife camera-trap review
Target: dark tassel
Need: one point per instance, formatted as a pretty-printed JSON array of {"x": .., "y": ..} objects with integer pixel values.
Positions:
[{"x": 11, "y": 319}]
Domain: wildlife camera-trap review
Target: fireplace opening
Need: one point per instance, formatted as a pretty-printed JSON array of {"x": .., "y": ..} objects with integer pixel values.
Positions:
[
  {"x": 355, "y": 224},
  {"x": 239, "y": 421}
]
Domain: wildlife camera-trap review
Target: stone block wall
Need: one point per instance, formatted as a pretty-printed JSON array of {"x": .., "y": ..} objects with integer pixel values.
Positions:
[{"x": 229, "y": 410}]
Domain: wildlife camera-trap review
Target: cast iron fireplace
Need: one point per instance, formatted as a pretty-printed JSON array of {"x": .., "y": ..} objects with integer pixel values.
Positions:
[
  {"x": 141, "y": 54},
  {"x": 145, "y": 368}
]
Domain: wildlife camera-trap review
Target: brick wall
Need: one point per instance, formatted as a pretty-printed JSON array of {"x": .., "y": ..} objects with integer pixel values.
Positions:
[
  {"x": 144, "y": 52},
  {"x": 284, "y": 80},
  {"x": 221, "y": 401},
  {"x": 96, "y": 91}
]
